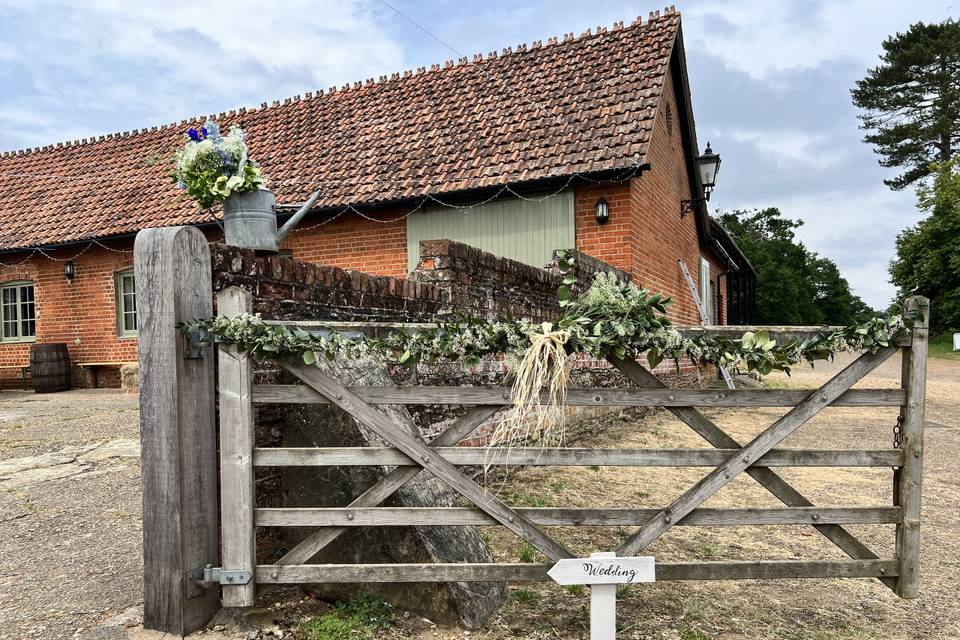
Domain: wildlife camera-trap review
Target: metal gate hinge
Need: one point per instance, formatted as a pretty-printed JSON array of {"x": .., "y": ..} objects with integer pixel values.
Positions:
[
  {"x": 200, "y": 579},
  {"x": 194, "y": 344}
]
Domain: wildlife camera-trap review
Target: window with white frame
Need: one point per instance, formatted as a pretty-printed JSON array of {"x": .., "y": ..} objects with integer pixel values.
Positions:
[
  {"x": 126, "y": 303},
  {"x": 706, "y": 289},
  {"x": 18, "y": 312}
]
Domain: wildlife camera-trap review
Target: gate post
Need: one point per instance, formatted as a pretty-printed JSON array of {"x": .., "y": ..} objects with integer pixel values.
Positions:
[
  {"x": 177, "y": 430},
  {"x": 236, "y": 455},
  {"x": 910, "y": 478}
]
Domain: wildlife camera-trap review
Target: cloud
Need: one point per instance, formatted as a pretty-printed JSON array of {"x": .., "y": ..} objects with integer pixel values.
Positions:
[
  {"x": 791, "y": 149},
  {"x": 120, "y": 64},
  {"x": 763, "y": 38}
]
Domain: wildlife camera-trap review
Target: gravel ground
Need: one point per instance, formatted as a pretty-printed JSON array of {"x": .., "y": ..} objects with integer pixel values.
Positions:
[
  {"x": 70, "y": 535},
  {"x": 70, "y": 530}
]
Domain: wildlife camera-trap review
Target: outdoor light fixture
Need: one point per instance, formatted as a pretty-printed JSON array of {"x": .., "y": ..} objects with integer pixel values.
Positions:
[
  {"x": 69, "y": 270},
  {"x": 603, "y": 211},
  {"x": 708, "y": 165}
]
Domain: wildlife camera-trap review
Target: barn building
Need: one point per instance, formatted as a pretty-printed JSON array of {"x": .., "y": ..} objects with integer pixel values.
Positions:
[{"x": 585, "y": 142}]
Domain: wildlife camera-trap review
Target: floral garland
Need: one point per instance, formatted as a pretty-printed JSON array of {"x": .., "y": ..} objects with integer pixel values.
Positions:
[{"x": 611, "y": 318}]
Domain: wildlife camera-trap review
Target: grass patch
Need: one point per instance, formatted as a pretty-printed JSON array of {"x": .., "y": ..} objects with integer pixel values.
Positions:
[
  {"x": 525, "y": 596},
  {"x": 690, "y": 633},
  {"x": 942, "y": 347},
  {"x": 358, "y": 619},
  {"x": 527, "y": 553}
]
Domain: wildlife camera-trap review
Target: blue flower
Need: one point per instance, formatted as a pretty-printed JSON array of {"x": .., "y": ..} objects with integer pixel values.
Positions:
[
  {"x": 203, "y": 132},
  {"x": 193, "y": 134}
]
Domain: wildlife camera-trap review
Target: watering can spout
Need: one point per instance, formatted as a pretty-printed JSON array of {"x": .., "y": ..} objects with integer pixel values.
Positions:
[{"x": 295, "y": 219}]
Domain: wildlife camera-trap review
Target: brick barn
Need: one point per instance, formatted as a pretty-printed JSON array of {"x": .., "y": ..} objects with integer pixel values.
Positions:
[{"x": 510, "y": 152}]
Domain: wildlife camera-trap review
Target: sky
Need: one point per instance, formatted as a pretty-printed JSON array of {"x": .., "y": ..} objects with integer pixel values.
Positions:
[{"x": 770, "y": 81}]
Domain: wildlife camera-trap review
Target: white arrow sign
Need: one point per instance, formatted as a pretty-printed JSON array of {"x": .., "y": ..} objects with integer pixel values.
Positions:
[{"x": 604, "y": 571}]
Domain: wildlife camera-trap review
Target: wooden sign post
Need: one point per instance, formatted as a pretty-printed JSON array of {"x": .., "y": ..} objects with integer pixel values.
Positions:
[{"x": 603, "y": 572}]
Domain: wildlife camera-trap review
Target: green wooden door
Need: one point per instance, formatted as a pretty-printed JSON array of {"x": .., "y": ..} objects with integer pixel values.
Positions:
[{"x": 512, "y": 228}]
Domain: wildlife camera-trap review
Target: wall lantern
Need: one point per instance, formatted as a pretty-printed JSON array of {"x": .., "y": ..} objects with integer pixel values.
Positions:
[
  {"x": 708, "y": 165},
  {"x": 603, "y": 211},
  {"x": 69, "y": 270}
]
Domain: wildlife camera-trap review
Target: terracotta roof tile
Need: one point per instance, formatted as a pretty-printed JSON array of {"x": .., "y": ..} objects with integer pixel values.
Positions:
[{"x": 540, "y": 111}]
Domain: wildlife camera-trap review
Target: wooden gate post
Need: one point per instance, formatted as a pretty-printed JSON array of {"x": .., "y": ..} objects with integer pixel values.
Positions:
[
  {"x": 177, "y": 430},
  {"x": 910, "y": 478},
  {"x": 236, "y": 455}
]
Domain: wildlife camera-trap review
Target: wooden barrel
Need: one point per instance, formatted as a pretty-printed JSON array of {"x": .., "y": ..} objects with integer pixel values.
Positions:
[{"x": 50, "y": 367}]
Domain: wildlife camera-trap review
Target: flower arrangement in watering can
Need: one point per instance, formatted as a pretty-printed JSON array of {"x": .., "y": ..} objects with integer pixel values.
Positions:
[{"x": 214, "y": 168}]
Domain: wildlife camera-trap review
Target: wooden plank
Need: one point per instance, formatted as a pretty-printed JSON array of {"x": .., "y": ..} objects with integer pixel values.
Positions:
[
  {"x": 471, "y": 572},
  {"x": 236, "y": 455},
  {"x": 910, "y": 478},
  {"x": 382, "y": 490},
  {"x": 273, "y": 394},
  {"x": 759, "y": 446},
  {"x": 177, "y": 430},
  {"x": 573, "y": 457},
  {"x": 768, "y": 478},
  {"x": 436, "y": 465},
  {"x": 552, "y": 517}
]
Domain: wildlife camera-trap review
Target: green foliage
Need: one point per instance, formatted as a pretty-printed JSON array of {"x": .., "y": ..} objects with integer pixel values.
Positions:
[
  {"x": 611, "y": 318},
  {"x": 525, "y": 596},
  {"x": 576, "y": 589},
  {"x": 358, "y": 619},
  {"x": 527, "y": 553},
  {"x": 911, "y": 101},
  {"x": 928, "y": 254},
  {"x": 794, "y": 285},
  {"x": 942, "y": 347}
]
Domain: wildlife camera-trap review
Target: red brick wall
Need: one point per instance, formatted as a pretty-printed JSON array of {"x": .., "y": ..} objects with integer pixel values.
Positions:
[
  {"x": 611, "y": 242},
  {"x": 351, "y": 242},
  {"x": 81, "y": 313}
]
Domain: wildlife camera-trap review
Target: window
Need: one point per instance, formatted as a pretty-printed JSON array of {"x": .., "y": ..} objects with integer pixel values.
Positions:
[
  {"x": 18, "y": 311},
  {"x": 706, "y": 289},
  {"x": 126, "y": 304}
]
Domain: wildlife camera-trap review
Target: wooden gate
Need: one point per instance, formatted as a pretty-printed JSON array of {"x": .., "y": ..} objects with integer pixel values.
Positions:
[{"x": 759, "y": 458}]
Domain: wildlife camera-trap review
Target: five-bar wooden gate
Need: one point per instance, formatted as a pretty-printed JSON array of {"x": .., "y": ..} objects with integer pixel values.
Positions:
[
  {"x": 192, "y": 538},
  {"x": 440, "y": 457}
]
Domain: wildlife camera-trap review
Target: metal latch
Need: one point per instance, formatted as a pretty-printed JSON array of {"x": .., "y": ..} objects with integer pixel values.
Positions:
[
  {"x": 200, "y": 579},
  {"x": 194, "y": 343}
]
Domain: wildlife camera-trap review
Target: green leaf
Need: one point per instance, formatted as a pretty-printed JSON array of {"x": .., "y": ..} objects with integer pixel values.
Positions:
[
  {"x": 406, "y": 356},
  {"x": 654, "y": 357},
  {"x": 309, "y": 357},
  {"x": 570, "y": 279}
]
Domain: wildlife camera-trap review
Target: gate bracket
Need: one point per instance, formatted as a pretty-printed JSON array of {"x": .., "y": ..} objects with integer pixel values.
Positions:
[
  {"x": 194, "y": 344},
  {"x": 200, "y": 579}
]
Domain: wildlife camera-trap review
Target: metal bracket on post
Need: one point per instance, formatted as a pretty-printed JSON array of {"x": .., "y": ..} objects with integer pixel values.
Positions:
[
  {"x": 199, "y": 580},
  {"x": 194, "y": 344}
]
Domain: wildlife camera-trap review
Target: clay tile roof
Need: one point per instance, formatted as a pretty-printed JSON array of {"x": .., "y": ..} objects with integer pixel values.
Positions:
[{"x": 551, "y": 109}]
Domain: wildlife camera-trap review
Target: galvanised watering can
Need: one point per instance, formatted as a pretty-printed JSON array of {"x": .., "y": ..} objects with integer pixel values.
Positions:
[{"x": 250, "y": 220}]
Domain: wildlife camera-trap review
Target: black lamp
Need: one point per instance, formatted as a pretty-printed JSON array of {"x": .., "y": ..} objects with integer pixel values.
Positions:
[
  {"x": 603, "y": 211},
  {"x": 708, "y": 165},
  {"x": 69, "y": 270}
]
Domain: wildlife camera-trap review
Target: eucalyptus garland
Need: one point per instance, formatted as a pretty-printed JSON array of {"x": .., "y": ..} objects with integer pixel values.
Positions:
[{"x": 611, "y": 318}]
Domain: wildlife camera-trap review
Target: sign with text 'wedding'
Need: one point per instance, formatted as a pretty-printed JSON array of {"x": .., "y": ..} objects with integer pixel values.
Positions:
[{"x": 607, "y": 569}]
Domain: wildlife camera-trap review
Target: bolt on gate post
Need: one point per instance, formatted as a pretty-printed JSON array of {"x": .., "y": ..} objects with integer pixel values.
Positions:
[
  {"x": 177, "y": 430},
  {"x": 909, "y": 480}
]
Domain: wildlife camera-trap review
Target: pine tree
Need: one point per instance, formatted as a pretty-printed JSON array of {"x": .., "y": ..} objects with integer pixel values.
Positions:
[{"x": 911, "y": 101}]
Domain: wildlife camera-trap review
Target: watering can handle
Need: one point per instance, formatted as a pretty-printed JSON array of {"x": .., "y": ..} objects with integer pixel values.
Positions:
[{"x": 295, "y": 219}]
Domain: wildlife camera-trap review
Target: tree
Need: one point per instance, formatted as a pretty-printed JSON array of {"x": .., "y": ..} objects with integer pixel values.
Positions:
[
  {"x": 794, "y": 285},
  {"x": 911, "y": 101},
  {"x": 928, "y": 254}
]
